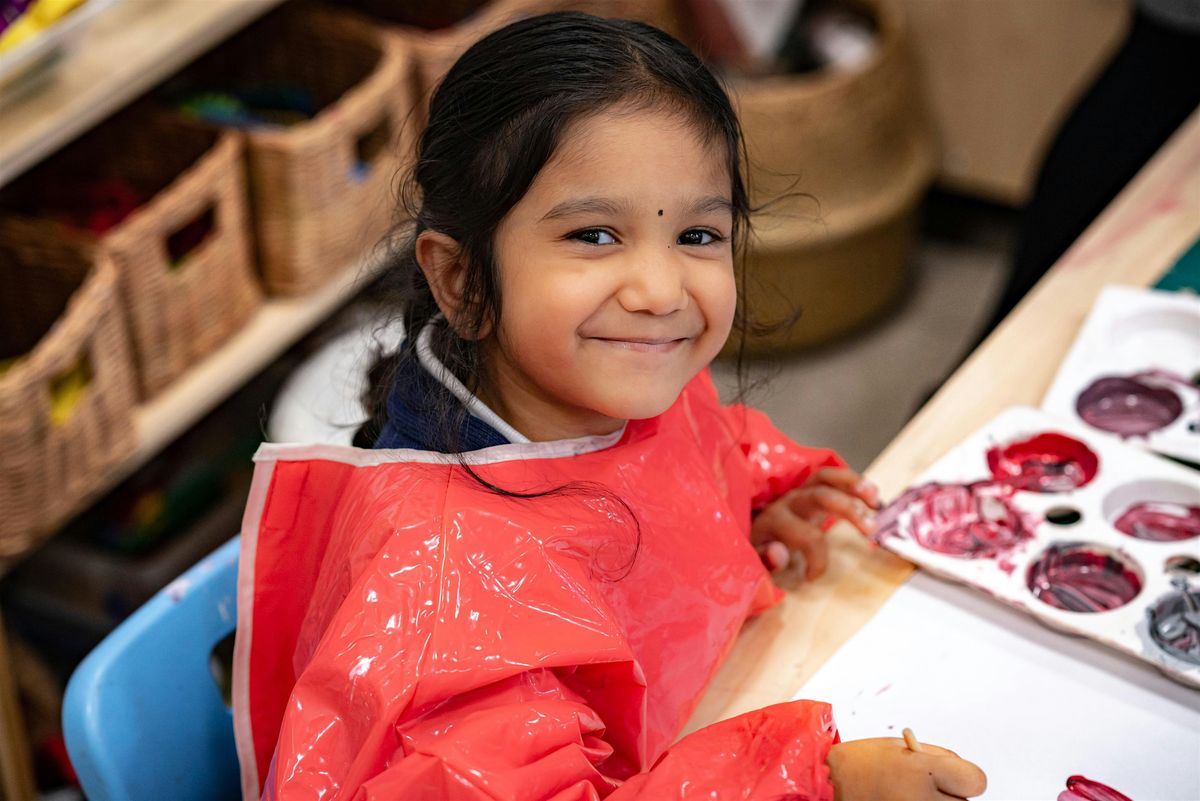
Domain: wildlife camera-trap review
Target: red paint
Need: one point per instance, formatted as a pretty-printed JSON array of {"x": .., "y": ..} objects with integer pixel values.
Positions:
[
  {"x": 1048, "y": 462},
  {"x": 1129, "y": 407},
  {"x": 1160, "y": 522},
  {"x": 1081, "y": 788},
  {"x": 1076, "y": 579},
  {"x": 965, "y": 520}
]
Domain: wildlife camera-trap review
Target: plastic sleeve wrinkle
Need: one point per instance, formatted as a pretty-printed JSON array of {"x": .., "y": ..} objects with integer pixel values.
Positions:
[
  {"x": 541, "y": 750},
  {"x": 777, "y": 464}
]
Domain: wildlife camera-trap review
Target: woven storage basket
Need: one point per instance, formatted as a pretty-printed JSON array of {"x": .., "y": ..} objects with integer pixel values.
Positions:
[
  {"x": 190, "y": 175},
  {"x": 859, "y": 144},
  {"x": 321, "y": 189},
  {"x": 60, "y": 317},
  {"x": 432, "y": 52},
  {"x": 436, "y": 51}
]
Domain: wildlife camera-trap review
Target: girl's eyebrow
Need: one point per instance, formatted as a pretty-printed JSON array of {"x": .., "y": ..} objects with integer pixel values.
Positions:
[
  {"x": 712, "y": 203},
  {"x": 603, "y": 205},
  {"x": 588, "y": 205}
]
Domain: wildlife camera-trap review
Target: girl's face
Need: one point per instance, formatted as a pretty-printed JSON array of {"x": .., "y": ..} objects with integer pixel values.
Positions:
[{"x": 616, "y": 270}]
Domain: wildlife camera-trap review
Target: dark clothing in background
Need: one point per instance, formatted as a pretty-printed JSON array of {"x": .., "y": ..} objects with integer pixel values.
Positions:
[{"x": 1151, "y": 86}]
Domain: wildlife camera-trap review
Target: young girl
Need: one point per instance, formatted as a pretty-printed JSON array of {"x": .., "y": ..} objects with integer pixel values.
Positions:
[{"x": 523, "y": 590}]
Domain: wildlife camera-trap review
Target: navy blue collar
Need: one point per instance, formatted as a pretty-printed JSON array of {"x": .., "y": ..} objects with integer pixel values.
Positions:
[
  {"x": 416, "y": 405},
  {"x": 419, "y": 401}
]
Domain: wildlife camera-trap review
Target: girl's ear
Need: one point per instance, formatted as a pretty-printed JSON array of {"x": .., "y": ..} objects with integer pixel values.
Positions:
[{"x": 441, "y": 259}]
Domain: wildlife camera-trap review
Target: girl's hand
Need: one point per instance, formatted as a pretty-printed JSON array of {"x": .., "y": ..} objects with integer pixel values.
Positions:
[
  {"x": 884, "y": 769},
  {"x": 793, "y": 522}
]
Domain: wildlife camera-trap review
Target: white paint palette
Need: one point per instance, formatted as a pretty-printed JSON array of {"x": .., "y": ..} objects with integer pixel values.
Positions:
[
  {"x": 1063, "y": 556},
  {"x": 1129, "y": 332}
]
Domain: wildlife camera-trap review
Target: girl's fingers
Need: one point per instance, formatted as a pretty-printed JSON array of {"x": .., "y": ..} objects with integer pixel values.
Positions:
[
  {"x": 953, "y": 775},
  {"x": 800, "y": 535},
  {"x": 957, "y": 777},
  {"x": 775, "y": 555},
  {"x": 816, "y": 554},
  {"x": 807, "y": 502},
  {"x": 849, "y": 482},
  {"x": 781, "y": 525}
]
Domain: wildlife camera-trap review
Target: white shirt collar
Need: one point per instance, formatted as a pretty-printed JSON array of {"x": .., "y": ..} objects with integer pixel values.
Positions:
[{"x": 473, "y": 404}]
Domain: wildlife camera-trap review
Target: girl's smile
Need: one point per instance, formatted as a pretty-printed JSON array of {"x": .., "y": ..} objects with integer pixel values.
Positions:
[{"x": 650, "y": 346}]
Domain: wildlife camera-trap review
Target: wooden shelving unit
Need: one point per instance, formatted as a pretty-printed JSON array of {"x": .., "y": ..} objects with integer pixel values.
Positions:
[
  {"x": 276, "y": 326},
  {"x": 127, "y": 50}
]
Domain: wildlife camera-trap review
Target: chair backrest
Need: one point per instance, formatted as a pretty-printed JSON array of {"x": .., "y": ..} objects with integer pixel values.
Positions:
[
  {"x": 143, "y": 715},
  {"x": 321, "y": 401}
]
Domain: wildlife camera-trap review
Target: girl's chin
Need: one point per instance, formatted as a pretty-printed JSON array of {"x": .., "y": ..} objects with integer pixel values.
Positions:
[{"x": 639, "y": 406}]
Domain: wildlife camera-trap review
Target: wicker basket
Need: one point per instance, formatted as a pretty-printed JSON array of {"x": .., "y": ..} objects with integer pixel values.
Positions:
[
  {"x": 60, "y": 317},
  {"x": 435, "y": 51},
  {"x": 180, "y": 305},
  {"x": 858, "y": 143},
  {"x": 431, "y": 52},
  {"x": 321, "y": 189}
]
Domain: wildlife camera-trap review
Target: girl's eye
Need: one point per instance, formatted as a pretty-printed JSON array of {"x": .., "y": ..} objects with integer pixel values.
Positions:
[
  {"x": 698, "y": 236},
  {"x": 594, "y": 236}
]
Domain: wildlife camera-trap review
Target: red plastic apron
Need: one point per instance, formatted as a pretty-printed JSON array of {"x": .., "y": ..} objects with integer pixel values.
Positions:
[{"x": 405, "y": 633}]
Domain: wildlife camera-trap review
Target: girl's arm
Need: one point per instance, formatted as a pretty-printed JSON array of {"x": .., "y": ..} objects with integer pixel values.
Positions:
[
  {"x": 796, "y": 492},
  {"x": 773, "y": 463},
  {"x": 777, "y": 464},
  {"x": 531, "y": 739}
]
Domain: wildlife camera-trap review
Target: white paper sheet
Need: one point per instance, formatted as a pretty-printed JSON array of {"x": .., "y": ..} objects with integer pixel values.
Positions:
[{"x": 1029, "y": 705}]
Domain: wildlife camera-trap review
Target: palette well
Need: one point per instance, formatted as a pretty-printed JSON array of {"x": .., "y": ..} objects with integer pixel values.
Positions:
[
  {"x": 1134, "y": 371},
  {"x": 1086, "y": 534}
]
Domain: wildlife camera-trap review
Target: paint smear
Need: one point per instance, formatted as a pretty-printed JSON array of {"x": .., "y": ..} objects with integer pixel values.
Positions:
[
  {"x": 1081, "y": 788},
  {"x": 1078, "y": 579},
  {"x": 1160, "y": 521},
  {"x": 1129, "y": 406},
  {"x": 971, "y": 521},
  {"x": 1175, "y": 623},
  {"x": 1047, "y": 462}
]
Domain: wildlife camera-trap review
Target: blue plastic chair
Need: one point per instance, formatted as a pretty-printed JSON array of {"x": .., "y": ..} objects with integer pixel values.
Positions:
[{"x": 143, "y": 717}]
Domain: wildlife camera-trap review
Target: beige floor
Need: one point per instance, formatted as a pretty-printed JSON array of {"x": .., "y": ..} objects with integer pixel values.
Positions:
[{"x": 855, "y": 395}]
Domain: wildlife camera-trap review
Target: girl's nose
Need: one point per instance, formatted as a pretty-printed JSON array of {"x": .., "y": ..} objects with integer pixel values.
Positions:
[{"x": 655, "y": 285}]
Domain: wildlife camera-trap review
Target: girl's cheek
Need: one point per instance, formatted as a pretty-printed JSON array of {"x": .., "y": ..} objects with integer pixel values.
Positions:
[{"x": 723, "y": 302}]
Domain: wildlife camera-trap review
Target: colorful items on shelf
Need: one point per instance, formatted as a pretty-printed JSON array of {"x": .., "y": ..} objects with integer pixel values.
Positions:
[
  {"x": 99, "y": 206},
  {"x": 66, "y": 392},
  {"x": 254, "y": 106},
  {"x": 21, "y": 20},
  {"x": 169, "y": 496},
  {"x": 257, "y": 106},
  {"x": 10, "y": 11},
  {"x": 93, "y": 206}
]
